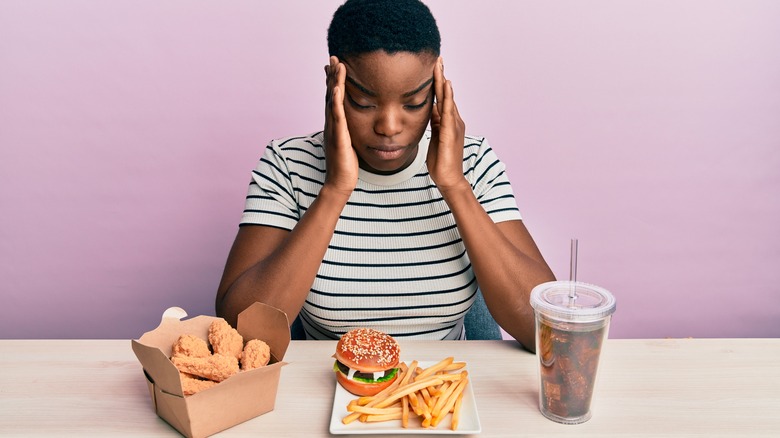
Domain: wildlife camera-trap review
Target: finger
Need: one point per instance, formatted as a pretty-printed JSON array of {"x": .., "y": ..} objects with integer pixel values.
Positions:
[
  {"x": 337, "y": 105},
  {"x": 458, "y": 120},
  {"x": 435, "y": 117},
  {"x": 455, "y": 111},
  {"x": 334, "y": 61},
  {"x": 330, "y": 76},
  {"x": 341, "y": 74},
  {"x": 438, "y": 93},
  {"x": 330, "y": 68},
  {"x": 449, "y": 102},
  {"x": 438, "y": 84},
  {"x": 328, "y": 84}
]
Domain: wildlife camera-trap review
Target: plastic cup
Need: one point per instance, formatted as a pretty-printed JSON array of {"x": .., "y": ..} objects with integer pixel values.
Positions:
[{"x": 570, "y": 334}]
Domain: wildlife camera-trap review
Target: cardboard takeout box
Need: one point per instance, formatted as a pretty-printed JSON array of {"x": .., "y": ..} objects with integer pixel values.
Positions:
[{"x": 239, "y": 398}]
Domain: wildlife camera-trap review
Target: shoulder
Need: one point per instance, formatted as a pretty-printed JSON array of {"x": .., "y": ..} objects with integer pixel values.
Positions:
[
  {"x": 302, "y": 156},
  {"x": 295, "y": 150},
  {"x": 477, "y": 151},
  {"x": 474, "y": 144},
  {"x": 309, "y": 142}
]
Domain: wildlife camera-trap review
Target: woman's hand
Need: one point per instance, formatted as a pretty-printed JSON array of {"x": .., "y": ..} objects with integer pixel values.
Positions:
[
  {"x": 445, "y": 153},
  {"x": 341, "y": 161}
]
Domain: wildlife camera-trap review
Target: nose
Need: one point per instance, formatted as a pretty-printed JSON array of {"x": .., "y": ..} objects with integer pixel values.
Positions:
[{"x": 388, "y": 122}]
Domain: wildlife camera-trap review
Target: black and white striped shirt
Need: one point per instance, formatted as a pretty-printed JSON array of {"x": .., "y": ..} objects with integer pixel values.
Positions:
[{"x": 396, "y": 262}]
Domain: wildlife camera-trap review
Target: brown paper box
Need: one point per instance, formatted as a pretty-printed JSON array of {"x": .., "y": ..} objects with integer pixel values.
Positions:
[{"x": 239, "y": 398}]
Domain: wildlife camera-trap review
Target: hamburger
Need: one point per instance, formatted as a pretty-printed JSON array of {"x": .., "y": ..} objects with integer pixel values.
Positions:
[{"x": 366, "y": 361}]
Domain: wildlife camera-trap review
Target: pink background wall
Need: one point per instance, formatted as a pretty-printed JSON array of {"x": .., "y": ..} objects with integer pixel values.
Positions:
[{"x": 649, "y": 130}]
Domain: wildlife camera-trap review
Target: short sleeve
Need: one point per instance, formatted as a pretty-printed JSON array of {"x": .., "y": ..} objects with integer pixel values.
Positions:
[
  {"x": 270, "y": 198},
  {"x": 488, "y": 177}
]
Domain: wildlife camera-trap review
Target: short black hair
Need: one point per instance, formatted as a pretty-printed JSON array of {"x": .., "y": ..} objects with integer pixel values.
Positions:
[{"x": 364, "y": 26}]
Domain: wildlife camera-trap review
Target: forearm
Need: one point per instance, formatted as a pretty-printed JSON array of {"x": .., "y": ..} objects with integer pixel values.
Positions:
[
  {"x": 283, "y": 277},
  {"x": 507, "y": 264},
  {"x": 280, "y": 273}
]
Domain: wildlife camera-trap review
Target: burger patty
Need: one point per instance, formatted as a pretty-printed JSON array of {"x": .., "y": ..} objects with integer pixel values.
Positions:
[{"x": 365, "y": 376}]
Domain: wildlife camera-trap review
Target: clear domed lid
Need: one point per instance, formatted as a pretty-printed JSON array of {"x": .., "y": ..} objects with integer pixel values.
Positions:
[{"x": 589, "y": 302}]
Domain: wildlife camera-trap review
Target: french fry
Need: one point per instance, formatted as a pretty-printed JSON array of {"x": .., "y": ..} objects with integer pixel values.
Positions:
[
  {"x": 376, "y": 411},
  {"x": 450, "y": 377},
  {"x": 350, "y": 418},
  {"x": 458, "y": 392},
  {"x": 405, "y": 370},
  {"x": 362, "y": 401},
  {"x": 442, "y": 399},
  {"x": 436, "y": 391},
  {"x": 452, "y": 398},
  {"x": 426, "y": 414},
  {"x": 430, "y": 393},
  {"x": 402, "y": 375},
  {"x": 426, "y": 395},
  {"x": 407, "y": 375},
  {"x": 456, "y": 412},
  {"x": 455, "y": 366},
  {"x": 405, "y": 411},
  {"x": 414, "y": 403},
  {"x": 419, "y": 403},
  {"x": 383, "y": 417},
  {"x": 373, "y": 400},
  {"x": 353, "y": 403},
  {"x": 408, "y": 389},
  {"x": 434, "y": 368}
]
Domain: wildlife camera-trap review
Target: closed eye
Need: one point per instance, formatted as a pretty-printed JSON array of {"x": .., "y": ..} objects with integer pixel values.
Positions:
[
  {"x": 355, "y": 104},
  {"x": 417, "y": 106},
  {"x": 421, "y": 105}
]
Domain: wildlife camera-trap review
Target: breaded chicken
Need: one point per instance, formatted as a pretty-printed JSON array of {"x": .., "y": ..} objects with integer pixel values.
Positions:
[
  {"x": 216, "y": 367},
  {"x": 225, "y": 339},
  {"x": 192, "y": 346},
  {"x": 191, "y": 384},
  {"x": 256, "y": 354}
]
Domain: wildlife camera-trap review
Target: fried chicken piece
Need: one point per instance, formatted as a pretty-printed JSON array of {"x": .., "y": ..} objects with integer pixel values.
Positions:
[
  {"x": 225, "y": 339},
  {"x": 216, "y": 367},
  {"x": 191, "y": 384},
  {"x": 256, "y": 354},
  {"x": 192, "y": 346}
]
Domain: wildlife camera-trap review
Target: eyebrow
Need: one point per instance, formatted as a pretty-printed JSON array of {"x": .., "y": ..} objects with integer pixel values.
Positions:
[
  {"x": 418, "y": 89},
  {"x": 373, "y": 93}
]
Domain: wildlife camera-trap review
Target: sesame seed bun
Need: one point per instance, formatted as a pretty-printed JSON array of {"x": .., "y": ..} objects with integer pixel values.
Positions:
[{"x": 368, "y": 350}]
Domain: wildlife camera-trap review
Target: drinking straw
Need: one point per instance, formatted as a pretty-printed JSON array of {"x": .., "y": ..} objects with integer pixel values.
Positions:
[{"x": 573, "y": 273}]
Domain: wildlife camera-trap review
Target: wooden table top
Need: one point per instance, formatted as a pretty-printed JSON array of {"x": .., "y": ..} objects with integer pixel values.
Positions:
[{"x": 646, "y": 387}]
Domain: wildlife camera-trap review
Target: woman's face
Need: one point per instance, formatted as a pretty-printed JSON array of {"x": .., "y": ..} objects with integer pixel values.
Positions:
[{"x": 388, "y": 104}]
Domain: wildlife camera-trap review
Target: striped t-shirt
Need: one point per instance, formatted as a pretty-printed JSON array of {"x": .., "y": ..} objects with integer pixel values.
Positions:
[{"x": 396, "y": 262}]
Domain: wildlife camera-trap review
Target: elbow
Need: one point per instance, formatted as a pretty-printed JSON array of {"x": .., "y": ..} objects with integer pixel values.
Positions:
[
  {"x": 529, "y": 347},
  {"x": 223, "y": 309}
]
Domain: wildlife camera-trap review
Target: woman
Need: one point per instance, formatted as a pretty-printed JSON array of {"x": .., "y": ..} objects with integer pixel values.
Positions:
[{"x": 376, "y": 221}]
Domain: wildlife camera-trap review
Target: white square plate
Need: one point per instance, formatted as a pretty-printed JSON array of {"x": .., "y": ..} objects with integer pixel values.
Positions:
[{"x": 469, "y": 418}]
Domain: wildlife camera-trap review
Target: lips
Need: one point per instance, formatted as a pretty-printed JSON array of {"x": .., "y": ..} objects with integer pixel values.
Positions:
[
  {"x": 387, "y": 148},
  {"x": 391, "y": 152}
]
